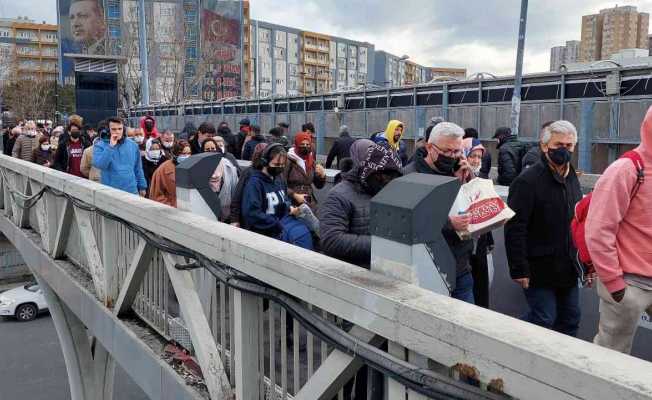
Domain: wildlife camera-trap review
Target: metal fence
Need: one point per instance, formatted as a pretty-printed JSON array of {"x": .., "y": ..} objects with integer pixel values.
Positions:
[{"x": 608, "y": 123}]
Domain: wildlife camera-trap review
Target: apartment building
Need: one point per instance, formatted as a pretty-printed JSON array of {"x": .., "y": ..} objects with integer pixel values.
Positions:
[
  {"x": 28, "y": 48},
  {"x": 289, "y": 61},
  {"x": 391, "y": 70},
  {"x": 613, "y": 30},
  {"x": 563, "y": 55}
]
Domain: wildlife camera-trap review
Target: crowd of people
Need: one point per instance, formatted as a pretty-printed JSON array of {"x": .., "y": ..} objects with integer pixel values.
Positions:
[{"x": 276, "y": 197}]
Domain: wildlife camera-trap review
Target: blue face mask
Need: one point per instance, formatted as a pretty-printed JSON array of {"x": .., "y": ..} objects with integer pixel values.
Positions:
[{"x": 181, "y": 158}]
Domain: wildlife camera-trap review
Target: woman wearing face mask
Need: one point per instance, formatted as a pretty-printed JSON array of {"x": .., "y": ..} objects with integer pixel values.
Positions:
[
  {"x": 475, "y": 151},
  {"x": 265, "y": 205},
  {"x": 154, "y": 157},
  {"x": 139, "y": 138},
  {"x": 43, "y": 153},
  {"x": 302, "y": 171},
  {"x": 163, "y": 188}
]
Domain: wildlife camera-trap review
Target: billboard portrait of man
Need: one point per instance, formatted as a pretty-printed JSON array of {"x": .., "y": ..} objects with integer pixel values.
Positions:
[{"x": 87, "y": 26}]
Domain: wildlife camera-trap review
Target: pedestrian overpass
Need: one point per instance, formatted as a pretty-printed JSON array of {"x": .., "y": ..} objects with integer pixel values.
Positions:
[{"x": 125, "y": 276}]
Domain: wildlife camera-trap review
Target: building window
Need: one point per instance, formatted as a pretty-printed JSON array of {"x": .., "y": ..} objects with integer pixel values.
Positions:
[
  {"x": 113, "y": 11},
  {"x": 114, "y": 32}
]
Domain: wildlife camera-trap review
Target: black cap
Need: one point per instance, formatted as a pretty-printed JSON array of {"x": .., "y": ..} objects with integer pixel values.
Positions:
[
  {"x": 283, "y": 125},
  {"x": 502, "y": 132},
  {"x": 245, "y": 122}
]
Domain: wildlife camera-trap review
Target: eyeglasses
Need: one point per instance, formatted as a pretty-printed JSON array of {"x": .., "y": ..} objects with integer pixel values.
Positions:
[{"x": 448, "y": 153}]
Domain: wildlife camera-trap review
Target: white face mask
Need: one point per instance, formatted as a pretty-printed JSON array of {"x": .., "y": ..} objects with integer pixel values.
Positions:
[
  {"x": 476, "y": 170},
  {"x": 45, "y": 147},
  {"x": 182, "y": 157},
  {"x": 155, "y": 154},
  {"x": 167, "y": 145},
  {"x": 139, "y": 139}
]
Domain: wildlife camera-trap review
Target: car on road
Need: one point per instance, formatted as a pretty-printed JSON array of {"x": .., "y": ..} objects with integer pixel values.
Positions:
[{"x": 24, "y": 302}]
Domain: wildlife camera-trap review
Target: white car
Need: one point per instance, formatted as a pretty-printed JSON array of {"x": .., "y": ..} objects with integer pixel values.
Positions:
[{"x": 23, "y": 302}]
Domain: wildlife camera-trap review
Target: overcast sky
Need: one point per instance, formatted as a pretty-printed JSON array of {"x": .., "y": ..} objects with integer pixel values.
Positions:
[{"x": 477, "y": 34}]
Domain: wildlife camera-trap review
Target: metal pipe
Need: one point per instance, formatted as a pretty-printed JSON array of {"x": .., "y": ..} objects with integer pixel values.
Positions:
[
  {"x": 142, "y": 44},
  {"x": 518, "y": 78}
]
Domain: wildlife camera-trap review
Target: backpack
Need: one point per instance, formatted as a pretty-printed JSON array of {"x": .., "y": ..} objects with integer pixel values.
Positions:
[{"x": 578, "y": 231}]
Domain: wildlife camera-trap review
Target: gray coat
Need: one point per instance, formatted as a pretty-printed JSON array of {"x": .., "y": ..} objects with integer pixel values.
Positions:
[{"x": 344, "y": 223}]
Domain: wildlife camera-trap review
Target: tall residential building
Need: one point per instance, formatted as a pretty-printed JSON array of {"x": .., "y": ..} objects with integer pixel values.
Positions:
[
  {"x": 612, "y": 30},
  {"x": 289, "y": 61},
  {"x": 391, "y": 70},
  {"x": 28, "y": 49},
  {"x": 564, "y": 54}
]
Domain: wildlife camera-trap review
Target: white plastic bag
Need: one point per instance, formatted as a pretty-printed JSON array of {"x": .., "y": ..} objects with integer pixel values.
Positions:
[{"x": 488, "y": 211}]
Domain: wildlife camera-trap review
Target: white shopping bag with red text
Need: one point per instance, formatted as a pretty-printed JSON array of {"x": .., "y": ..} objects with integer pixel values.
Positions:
[{"x": 487, "y": 210}]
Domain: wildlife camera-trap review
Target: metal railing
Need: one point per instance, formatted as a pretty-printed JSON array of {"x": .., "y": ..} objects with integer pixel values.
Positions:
[{"x": 234, "y": 291}]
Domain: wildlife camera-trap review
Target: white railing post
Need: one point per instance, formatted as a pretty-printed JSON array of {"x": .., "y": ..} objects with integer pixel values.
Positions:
[{"x": 246, "y": 332}]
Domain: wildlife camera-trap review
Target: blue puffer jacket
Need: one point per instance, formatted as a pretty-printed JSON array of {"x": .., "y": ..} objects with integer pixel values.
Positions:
[{"x": 121, "y": 166}]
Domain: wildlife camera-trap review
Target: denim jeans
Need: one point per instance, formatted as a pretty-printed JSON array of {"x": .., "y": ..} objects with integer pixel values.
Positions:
[
  {"x": 464, "y": 288},
  {"x": 556, "y": 309}
]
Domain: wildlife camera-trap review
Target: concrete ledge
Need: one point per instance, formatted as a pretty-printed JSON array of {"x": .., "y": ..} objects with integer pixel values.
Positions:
[{"x": 155, "y": 377}]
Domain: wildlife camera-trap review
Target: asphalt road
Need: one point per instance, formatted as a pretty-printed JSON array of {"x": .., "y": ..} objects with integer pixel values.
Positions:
[{"x": 32, "y": 366}]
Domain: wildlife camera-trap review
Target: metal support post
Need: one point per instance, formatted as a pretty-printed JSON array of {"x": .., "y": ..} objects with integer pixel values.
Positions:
[
  {"x": 142, "y": 44},
  {"x": 585, "y": 135},
  {"x": 444, "y": 102},
  {"x": 518, "y": 78}
]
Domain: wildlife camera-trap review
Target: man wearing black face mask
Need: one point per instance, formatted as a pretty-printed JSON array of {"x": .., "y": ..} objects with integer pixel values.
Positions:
[
  {"x": 344, "y": 216},
  {"x": 540, "y": 251},
  {"x": 71, "y": 148},
  {"x": 443, "y": 155}
]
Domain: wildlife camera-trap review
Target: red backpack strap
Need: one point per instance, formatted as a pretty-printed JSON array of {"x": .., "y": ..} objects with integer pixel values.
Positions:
[{"x": 636, "y": 158}]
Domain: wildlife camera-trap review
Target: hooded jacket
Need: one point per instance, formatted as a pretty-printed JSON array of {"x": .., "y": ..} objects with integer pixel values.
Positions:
[
  {"x": 120, "y": 166},
  {"x": 386, "y": 140},
  {"x": 619, "y": 230},
  {"x": 344, "y": 216},
  {"x": 300, "y": 179},
  {"x": 149, "y": 164},
  {"x": 149, "y": 135},
  {"x": 264, "y": 204}
]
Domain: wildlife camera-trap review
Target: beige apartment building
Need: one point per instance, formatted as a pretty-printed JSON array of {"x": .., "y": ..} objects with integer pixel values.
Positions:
[{"x": 613, "y": 30}]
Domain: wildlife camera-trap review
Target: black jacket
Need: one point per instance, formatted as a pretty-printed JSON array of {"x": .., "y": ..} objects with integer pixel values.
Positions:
[
  {"x": 8, "y": 143},
  {"x": 344, "y": 222},
  {"x": 461, "y": 249},
  {"x": 531, "y": 157},
  {"x": 340, "y": 149},
  {"x": 538, "y": 239},
  {"x": 485, "y": 167},
  {"x": 60, "y": 161},
  {"x": 239, "y": 143},
  {"x": 248, "y": 148},
  {"x": 510, "y": 154},
  {"x": 230, "y": 140}
]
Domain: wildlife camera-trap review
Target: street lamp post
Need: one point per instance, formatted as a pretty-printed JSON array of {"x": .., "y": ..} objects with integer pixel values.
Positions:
[{"x": 518, "y": 76}]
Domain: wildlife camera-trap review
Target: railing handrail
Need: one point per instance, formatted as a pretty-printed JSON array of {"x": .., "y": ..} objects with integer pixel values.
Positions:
[{"x": 435, "y": 326}]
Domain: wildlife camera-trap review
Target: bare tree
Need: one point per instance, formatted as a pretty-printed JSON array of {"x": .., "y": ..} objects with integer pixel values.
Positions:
[{"x": 29, "y": 96}]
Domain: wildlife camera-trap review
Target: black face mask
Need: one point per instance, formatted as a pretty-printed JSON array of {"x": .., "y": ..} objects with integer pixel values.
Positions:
[
  {"x": 275, "y": 171},
  {"x": 75, "y": 135},
  {"x": 149, "y": 125},
  {"x": 377, "y": 181},
  {"x": 559, "y": 156},
  {"x": 304, "y": 151},
  {"x": 447, "y": 165}
]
